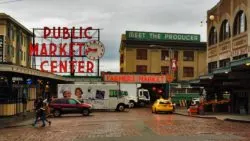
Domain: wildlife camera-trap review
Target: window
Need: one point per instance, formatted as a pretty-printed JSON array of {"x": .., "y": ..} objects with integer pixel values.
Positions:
[
  {"x": 59, "y": 101},
  {"x": 188, "y": 72},
  {"x": 141, "y": 69},
  {"x": 164, "y": 54},
  {"x": 212, "y": 36},
  {"x": 72, "y": 101},
  {"x": 165, "y": 69},
  {"x": 176, "y": 55},
  {"x": 240, "y": 57},
  {"x": 188, "y": 56},
  {"x": 224, "y": 30},
  {"x": 212, "y": 66},
  {"x": 240, "y": 23},
  {"x": 224, "y": 62},
  {"x": 141, "y": 54}
]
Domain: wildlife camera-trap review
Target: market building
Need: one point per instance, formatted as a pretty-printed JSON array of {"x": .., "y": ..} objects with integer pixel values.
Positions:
[
  {"x": 20, "y": 84},
  {"x": 162, "y": 62},
  {"x": 180, "y": 55},
  {"x": 228, "y": 53}
]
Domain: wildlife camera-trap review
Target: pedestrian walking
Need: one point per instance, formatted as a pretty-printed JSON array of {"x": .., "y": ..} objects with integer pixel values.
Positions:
[{"x": 40, "y": 112}]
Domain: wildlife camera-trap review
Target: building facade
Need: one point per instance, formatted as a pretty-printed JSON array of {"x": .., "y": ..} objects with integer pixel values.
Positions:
[
  {"x": 182, "y": 56},
  {"x": 15, "y": 40},
  {"x": 228, "y": 53}
]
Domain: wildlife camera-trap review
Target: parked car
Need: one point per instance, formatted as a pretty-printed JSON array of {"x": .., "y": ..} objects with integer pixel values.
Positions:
[
  {"x": 163, "y": 105},
  {"x": 69, "y": 106}
]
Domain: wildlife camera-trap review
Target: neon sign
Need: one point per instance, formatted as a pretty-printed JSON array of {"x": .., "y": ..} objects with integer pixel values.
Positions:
[{"x": 62, "y": 42}]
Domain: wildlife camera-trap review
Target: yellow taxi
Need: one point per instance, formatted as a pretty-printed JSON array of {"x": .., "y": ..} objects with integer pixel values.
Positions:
[{"x": 163, "y": 105}]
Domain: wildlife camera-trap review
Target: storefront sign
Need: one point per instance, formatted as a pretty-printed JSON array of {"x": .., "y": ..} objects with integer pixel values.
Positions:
[
  {"x": 152, "y": 36},
  {"x": 62, "y": 44},
  {"x": 126, "y": 78}
]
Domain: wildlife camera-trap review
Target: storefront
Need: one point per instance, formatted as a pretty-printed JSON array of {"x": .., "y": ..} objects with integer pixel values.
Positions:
[{"x": 20, "y": 86}]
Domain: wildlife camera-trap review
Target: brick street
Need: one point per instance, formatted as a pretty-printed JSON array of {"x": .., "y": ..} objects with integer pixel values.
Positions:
[{"x": 135, "y": 125}]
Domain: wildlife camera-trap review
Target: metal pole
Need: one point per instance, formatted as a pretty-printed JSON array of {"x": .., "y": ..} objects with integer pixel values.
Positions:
[
  {"x": 170, "y": 57},
  {"x": 98, "y": 61}
]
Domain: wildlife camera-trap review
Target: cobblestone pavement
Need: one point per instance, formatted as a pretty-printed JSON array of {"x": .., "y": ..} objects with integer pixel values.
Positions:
[{"x": 135, "y": 125}]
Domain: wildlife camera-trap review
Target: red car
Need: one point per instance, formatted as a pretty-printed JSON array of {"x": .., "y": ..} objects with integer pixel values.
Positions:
[{"x": 69, "y": 106}]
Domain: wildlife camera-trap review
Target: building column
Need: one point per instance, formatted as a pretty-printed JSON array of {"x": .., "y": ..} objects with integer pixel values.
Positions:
[{"x": 248, "y": 103}]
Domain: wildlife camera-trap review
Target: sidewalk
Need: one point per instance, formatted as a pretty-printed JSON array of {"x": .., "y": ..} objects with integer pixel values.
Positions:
[
  {"x": 15, "y": 121},
  {"x": 219, "y": 116}
]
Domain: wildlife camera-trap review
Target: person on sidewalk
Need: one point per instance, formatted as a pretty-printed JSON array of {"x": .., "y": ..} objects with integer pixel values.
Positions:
[{"x": 40, "y": 112}]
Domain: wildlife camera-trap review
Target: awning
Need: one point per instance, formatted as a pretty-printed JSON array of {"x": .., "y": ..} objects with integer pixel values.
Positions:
[
  {"x": 32, "y": 72},
  {"x": 222, "y": 70},
  {"x": 240, "y": 62},
  {"x": 207, "y": 76}
]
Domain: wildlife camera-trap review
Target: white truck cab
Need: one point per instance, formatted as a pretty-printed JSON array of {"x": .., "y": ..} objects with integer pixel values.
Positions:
[{"x": 143, "y": 97}]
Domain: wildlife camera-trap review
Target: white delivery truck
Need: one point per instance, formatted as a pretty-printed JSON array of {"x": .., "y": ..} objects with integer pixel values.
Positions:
[
  {"x": 105, "y": 96},
  {"x": 136, "y": 95}
]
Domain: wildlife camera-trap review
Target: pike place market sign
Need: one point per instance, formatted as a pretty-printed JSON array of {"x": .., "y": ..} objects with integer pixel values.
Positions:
[{"x": 155, "y": 36}]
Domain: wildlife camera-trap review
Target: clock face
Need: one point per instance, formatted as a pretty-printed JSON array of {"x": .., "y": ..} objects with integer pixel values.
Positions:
[{"x": 94, "y": 50}]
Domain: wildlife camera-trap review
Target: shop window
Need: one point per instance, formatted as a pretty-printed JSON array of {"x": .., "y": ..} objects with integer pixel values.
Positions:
[
  {"x": 188, "y": 72},
  {"x": 141, "y": 69},
  {"x": 212, "y": 36},
  {"x": 224, "y": 30},
  {"x": 240, "y": 23},
  {"x": 164, "y": 54},
  {"x": 188, "y": 56},
  {"x": 224, "y": 63},
  {"x": 141, "y": 54},
  {"x": 212, "y": 66},
  {"x": 176, "y": 55},
  {"x": 165, "y": 69},
  {"x": 240, "y": 57}
]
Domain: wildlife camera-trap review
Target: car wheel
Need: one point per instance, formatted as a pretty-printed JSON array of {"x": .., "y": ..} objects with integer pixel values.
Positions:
[
  {"x": 121, "y": 107},
  {"x": 156, "y": 111},
  {"x": 85, "y": 112},
  {"x": 57, "y": 113},
  {"x": 132, "y": 104}
]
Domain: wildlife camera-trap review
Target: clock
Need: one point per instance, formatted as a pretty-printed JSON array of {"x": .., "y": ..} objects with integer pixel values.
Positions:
[{"x": 94, "y": 50}]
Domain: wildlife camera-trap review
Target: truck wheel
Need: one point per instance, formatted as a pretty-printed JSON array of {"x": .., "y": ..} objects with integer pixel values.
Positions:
[
  {"x": 121, "y": 107},
  {"x": 57, "y": 113},
  {"x": 142, "y": 104},
  {"x": 85, "y": 112},
  {"x": 132, "y": 104}
]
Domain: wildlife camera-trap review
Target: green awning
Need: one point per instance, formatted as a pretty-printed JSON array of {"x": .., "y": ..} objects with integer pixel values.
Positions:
[
  {"x": 207, "y": 76},
  {"x": 240, "y": 62},
  {"x": 222, "y": 70}
]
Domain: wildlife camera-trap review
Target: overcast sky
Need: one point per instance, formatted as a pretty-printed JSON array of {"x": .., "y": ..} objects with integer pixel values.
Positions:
[{"x": 114, "y": 17}]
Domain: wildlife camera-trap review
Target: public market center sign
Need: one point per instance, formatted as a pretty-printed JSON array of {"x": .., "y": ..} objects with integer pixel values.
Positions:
[{"x": 155, "y": 36}]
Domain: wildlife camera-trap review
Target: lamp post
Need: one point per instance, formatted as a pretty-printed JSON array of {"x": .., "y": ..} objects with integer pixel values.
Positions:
[{"x": 169, "y": 67}]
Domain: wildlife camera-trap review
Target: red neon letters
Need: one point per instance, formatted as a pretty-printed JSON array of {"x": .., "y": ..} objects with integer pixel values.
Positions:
[{"x": 63, "y": 49}]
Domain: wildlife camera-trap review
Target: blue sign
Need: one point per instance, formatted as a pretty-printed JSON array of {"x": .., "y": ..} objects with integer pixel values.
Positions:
[{"x": 29, "y": 81}]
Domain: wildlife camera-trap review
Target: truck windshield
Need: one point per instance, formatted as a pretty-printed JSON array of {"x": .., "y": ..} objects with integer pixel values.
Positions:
[{"x": 145, "y": 93}]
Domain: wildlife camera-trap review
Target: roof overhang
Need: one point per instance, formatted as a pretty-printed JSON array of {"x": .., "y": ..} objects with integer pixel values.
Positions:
[{"x": 32, "y": 72}]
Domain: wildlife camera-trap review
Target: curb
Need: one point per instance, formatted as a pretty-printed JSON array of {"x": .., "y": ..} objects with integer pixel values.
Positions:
[
  {"x": 195, "y": 116},
  {"x": 235, "y": 120},
  {"x": 226, "y": 119}
]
